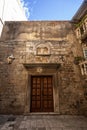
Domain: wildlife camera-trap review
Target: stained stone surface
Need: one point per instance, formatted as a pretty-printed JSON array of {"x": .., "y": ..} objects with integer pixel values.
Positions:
[{"x": 34, "y": 45}]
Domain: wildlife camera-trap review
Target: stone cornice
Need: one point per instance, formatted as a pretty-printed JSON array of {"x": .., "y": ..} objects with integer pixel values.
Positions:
[
  {"x": 80, "y": 13},
  {"x": 45, "y": 65}
]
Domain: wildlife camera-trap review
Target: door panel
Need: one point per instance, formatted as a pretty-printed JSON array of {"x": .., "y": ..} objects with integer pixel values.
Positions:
[{"x": 42, "y": 94}]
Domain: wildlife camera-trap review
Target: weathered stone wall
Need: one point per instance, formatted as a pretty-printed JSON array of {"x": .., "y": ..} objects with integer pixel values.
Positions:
[{"x": 42, "y": 42}]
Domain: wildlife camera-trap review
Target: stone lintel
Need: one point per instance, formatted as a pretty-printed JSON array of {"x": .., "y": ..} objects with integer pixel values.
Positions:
[{"x": 43, "y": 65}]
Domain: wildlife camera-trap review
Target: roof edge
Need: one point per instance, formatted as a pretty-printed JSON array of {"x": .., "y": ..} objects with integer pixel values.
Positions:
[{"x": 80, "y": 12}]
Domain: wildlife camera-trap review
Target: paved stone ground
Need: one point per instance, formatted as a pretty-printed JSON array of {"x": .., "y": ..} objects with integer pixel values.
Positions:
[{"x": 43, "y": 122}]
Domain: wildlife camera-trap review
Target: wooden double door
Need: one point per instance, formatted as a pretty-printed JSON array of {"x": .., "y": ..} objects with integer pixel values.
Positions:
[{"x": 42, "y": 94}]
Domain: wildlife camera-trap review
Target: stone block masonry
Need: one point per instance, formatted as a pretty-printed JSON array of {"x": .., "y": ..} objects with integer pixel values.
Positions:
[{"x": 41, "y": 48}]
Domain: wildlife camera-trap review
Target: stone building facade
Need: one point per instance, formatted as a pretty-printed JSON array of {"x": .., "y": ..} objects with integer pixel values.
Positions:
[{"x": 41, "y": 68}]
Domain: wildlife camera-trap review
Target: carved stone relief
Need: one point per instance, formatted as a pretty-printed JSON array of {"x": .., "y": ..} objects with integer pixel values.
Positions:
[
  {"x": 39, "y": 69},
  {"x": 41, "y": 59},
  {"x": 30, "y": 48},
  {"x": 58, "y": 59},
  {"x": 42, "y": 50},
  {"x": 30, "y": 58}
]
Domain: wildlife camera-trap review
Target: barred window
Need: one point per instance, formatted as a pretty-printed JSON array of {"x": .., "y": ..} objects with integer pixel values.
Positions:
[
  {"x": 85, "y": 53},
  {"x": 83, "y": 67}
]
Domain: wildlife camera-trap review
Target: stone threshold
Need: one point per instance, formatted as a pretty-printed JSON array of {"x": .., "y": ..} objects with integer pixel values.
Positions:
[{"x": 41, "y": 113}]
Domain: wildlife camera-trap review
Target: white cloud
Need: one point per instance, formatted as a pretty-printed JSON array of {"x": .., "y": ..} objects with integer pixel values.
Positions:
[{"x": 25, "y": 6}]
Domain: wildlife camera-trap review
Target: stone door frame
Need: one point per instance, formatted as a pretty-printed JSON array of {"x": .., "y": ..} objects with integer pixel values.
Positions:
[{"x": 44, "y": 70}]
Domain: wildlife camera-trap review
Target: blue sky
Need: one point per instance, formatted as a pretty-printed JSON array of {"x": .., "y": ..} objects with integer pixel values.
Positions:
[{"x": 51, "y": 9}]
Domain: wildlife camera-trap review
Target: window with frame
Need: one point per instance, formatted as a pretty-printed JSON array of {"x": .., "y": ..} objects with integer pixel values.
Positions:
[
  {"x": 83, "y": 67},
  {"x": 85, "y": 53},
  {"x": 78, "y": 32},
  {"x": 81, "y": 30},
  {"x": 86, "y": 23}
]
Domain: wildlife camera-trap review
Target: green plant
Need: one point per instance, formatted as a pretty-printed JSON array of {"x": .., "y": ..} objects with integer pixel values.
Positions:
[
  {"x": 81, "y": 22},
  {"x": 78, "y": 59}
]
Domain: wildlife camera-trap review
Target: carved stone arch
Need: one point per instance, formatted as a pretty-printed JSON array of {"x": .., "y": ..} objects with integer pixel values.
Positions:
[{"x": 43, "y": 49}]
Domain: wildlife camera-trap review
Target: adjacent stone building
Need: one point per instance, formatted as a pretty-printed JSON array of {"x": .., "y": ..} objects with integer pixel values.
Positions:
[
  {"x": 11, "y": 10},
  {"x": 43, "y": 68}
]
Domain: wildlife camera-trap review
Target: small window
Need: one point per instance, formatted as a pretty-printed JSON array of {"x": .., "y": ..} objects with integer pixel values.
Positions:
[
  {"x": 85, "y": 53},
  {"x": 86, "y": 23},
  {"x": 85, "y": 65},
  {"x": 83, "y": 68},
  {"x": 81, "y": 30},
  {"x": 78, "y": 33}
]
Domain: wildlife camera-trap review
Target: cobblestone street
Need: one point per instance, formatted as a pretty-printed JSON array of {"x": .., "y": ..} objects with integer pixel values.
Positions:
[{"x": 43, "y": 122}]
